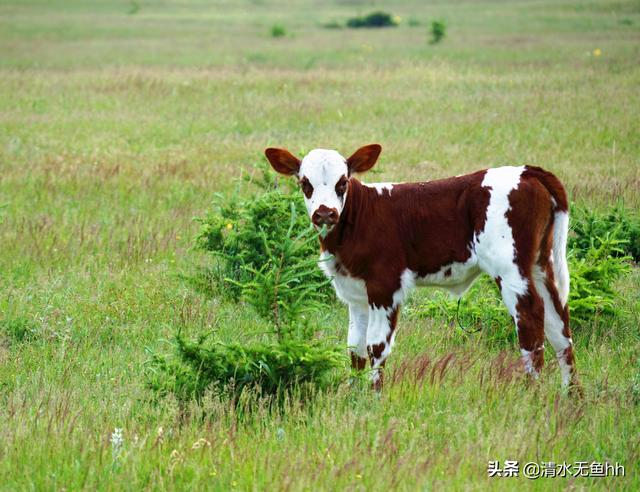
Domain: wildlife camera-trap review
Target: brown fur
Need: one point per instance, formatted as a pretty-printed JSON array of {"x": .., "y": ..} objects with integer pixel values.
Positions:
[
  {"x": 420, "y": 226},
  {"x": 426, "y": 227}
]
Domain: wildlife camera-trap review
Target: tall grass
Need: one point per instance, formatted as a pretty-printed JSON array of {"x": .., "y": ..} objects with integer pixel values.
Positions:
[{"x": 116, "y": 130}]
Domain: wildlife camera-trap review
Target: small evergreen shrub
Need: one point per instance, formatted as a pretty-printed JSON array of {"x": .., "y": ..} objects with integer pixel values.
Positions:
[
  {"x": 134, "y": 7},
  {"x": 278, "y": 31},
  {"x": 374, "y": 19},
  {"x": 243, "y": 234},
  {"x": 267, "y": 255},
  {"x": 617, "y": 223},
  {"x": 438, "y": 30},
  {"x": 271, "y": 369},
  {"x": 287, "y": 286},
  {"x": 593, "y": 273}
]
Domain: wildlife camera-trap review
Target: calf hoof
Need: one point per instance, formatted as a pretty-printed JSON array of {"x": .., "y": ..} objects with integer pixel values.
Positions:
[{"x": 377, "y": 384}]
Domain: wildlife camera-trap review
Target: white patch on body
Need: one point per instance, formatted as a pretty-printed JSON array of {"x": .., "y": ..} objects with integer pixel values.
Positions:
[
  {"x": 461, "y": 278},
  {"x": 407, "y": 283},
  {"x": 349, "y": 290},
  {"x": 323, "y": 168},
  {"x": 495, "y": 246},
  {"x": 553, "y": 324},
  {"x": 381, "y": 187},
  {"x": 378, "y": 329}
]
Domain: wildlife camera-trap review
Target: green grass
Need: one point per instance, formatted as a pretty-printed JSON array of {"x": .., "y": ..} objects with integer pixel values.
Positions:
[{"x": 116, "y": 129}]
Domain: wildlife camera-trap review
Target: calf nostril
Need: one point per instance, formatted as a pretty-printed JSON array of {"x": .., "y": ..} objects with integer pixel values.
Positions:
[{"x": 325, "y": 215}]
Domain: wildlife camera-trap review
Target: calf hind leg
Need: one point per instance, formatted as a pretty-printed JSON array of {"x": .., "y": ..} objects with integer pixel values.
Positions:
[
  {"x": 556, "y": 325},
  {"x": 527, "y": 310}
]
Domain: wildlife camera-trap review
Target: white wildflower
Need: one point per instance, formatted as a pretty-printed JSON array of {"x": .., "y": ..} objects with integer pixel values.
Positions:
[{"x": 117, "y": 443}]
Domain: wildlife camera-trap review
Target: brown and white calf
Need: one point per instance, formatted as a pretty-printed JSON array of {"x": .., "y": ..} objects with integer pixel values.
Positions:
[{"x": 383, "y": 239}]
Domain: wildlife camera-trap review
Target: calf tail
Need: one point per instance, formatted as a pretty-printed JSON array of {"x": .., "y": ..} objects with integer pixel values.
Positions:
[
  {"x": 559, "y": 251},
  {"x": 560, "y": 229}
]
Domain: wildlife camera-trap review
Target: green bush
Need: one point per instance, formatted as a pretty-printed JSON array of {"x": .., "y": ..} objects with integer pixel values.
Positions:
[
  {"x": 617, "y": 223},
  {"x": 270, "y": 369},
  {"x": 593, "y": 273},
  {"x": 134, "y": 7},
  {"x": 287, "y": 286},
  {"x": 243, "y": 234},
  {"x": 438, "y": 30},
  {"x": 267, "y": 256},
  {"x": 278, "y": 31},
  {"x": 374, "y": 19}
]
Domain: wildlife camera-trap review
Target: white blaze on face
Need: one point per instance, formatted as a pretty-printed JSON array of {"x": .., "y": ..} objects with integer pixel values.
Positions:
[{"x": 323, "y": 169}]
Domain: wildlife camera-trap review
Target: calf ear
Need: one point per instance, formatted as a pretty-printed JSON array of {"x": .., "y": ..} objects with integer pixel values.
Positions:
[
  {"x": 283, "y": 161},
  {"x": 364, "y": 158}
]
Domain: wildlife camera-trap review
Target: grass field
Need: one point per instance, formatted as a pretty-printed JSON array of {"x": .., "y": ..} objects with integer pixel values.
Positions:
[{"x": 120, "y": 120}]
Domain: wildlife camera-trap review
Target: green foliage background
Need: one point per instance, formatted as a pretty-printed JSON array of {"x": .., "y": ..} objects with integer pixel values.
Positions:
[{"x": 120, "y": 122}]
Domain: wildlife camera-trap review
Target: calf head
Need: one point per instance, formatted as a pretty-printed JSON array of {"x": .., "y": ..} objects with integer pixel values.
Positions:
[{"x": 324, "y": 177}]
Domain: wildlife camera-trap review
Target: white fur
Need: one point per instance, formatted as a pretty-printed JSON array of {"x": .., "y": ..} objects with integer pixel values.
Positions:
[
  {"x": 323, "y": 168},
  {"x": 527, "y": 360},
  {"x": 495, "y": 245},
  {"x": 378, "y": 329},
  {"x": 553, "y": 325},
  {"x": 349, "y": 290},
  {"x": 461, "y": 278},
  {"x": 559, "y": 251},
  {"x": 358, "y": 322},
  {"x": 377, "y": 332},
  {"x": 380, "y": 187},
  {"x": 407, "y": 283},
  {"x": 565, "y": 369}
]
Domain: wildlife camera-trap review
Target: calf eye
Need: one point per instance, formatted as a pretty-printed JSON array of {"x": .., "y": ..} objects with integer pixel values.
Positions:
[
  {"x": 307, "y": 188},
  {"x": 341, "y": 186}
]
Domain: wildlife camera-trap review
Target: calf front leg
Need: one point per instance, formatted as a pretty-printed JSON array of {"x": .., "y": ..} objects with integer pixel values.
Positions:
[
  {"x": 380, "y": 337},
  {"x": 357, "y": 337}
]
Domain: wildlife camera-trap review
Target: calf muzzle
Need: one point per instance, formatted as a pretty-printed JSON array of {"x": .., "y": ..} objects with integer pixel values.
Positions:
[{"x": 325, "y": 216}]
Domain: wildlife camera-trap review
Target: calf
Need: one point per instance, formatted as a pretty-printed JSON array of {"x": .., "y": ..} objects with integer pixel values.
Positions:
[{"x": 383, "y": 239}]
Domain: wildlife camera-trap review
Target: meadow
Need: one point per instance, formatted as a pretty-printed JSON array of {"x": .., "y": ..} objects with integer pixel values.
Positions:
[{"x": 121, "y": 121}]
